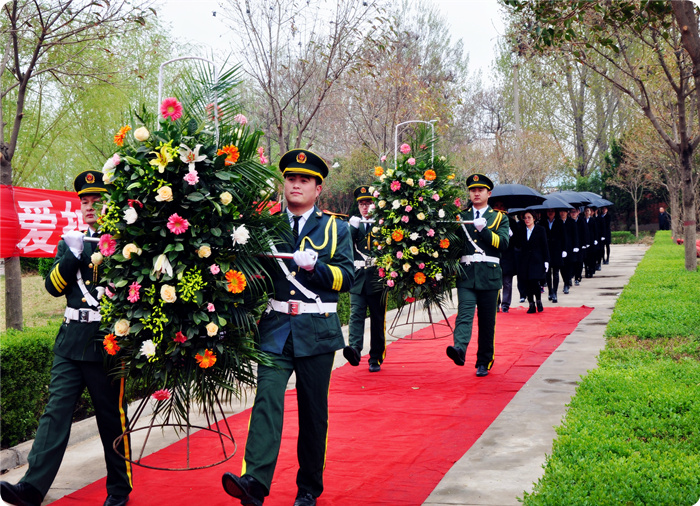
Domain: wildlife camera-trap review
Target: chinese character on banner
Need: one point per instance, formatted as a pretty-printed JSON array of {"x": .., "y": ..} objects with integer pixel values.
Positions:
[
  {"x": 37, "y": 223},
  {"x": 74, "y": 217}
]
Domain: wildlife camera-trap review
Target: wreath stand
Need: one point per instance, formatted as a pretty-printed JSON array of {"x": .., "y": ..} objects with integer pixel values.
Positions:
[
  {"x": 410, "y": 316},
  {"x": 214, "y": 429}
]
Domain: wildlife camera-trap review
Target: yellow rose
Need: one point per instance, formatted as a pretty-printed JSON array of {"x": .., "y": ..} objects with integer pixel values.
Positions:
[
  {"x": 96, "y": 258},
  {"x": 212, "y": 329},
  {"x": 141, "y": 134},
  {"x": 406, "y": 267},
  {"x": 409, "y": 182},
  {"x": 413, "y": 250},
  {"x": 226, "y": 198},
  {"x": 167, "y": 293},
  {"x": 129, "y": 249},
  {"x": 165, "y": 194},
  {"x": 420, "y": 216},
  {"x": 435, "y": 254},
  {"x": 381, "y": 204},
  {"x": 204, "y": 251},
  {"x": 121, "y": 328},
  {"x": 388, "y": 240}
]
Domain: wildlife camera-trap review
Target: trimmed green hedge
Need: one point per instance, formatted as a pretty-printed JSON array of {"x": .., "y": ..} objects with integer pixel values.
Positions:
[{"x": 631, "y": 434}]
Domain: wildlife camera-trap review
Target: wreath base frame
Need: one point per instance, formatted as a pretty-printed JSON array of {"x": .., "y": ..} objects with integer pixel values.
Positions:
[{"x": 412, "y": 319}]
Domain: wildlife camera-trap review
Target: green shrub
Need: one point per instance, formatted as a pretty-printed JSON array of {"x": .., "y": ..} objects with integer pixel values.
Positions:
[
  {"x": 623, "y": 237},
  {"x": 45, "y": 266}
]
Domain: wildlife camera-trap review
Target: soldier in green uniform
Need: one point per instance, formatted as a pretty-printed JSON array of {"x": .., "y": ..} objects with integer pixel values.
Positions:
[
  {"x": 300, "y": 331},
  {"x": 78, "y": 363},
  {"x": 480, "y": 278},
  {"x": 367, "y": 291}
]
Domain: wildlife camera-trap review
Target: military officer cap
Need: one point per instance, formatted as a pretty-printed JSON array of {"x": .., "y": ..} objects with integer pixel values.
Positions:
[
  {"x": 479, "y": 181},
  {"x": 302, "y": 161},
  {"x": 362, "y": 193},
  {"x": 89, "y": 181}
]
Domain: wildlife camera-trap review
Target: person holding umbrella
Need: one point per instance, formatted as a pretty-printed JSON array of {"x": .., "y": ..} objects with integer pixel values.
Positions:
[{"x": 533, "y": 258}]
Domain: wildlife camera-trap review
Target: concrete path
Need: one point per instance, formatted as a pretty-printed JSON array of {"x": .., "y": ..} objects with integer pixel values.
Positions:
[{"x": 505, "y": 461}]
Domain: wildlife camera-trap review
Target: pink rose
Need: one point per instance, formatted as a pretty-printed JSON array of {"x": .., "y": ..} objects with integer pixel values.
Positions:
[
  {"x": 431, "y": 232},
  {"x": 436, "y": 197},
  {"x": 420, "y": 199},
  {"x": 421, "y": 182},
  {"x": 405, "y": 149},
  {"x": 399, "y": 254},
  {"x": 211, "y": 308},
  {"x": 383, "y": 158},
  {"x": 192, "y": 177},
  {"x": 421, "y": 265},
  {"x": 390, "y": 283},
  {"x": 375, "y": 194},
  {"x": 408, "y": 209},
  {"x": 214, "y": 269},
  {"x": 381, "y": 221},
  {"x": 239, "y": 118},
  {"x": 404, "y": 218},
  {"x": 394, "y": 274},
  {"x": 411, "y": 161}
]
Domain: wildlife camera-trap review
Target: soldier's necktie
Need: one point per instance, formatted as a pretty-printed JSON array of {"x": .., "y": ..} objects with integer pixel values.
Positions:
[
  {"x": 476, "y": 217},
  {"x": 295, "y": 230}
]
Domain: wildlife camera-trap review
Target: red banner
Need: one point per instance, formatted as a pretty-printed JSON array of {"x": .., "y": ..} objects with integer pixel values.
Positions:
[{"x": 32, "y": 221}]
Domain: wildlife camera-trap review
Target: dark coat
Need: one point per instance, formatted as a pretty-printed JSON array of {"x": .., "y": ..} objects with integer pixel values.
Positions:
[
  {"x": 664, "y": 221},
  {"x": 556, "y": 240},
  {"x": 508, "y": 265},
  {"x": 531, "y": 253},
  {"x": 594, "y": 234},
  {"x": 607, "y": 232},
  {"x": 584, "y": 236},
  {"x": 572, "y": 240},
  {"x": 367, "y": 280}
]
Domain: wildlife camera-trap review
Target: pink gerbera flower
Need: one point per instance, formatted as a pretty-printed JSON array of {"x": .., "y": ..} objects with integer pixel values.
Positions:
[
  {"x": 134, "y": 294},
  {"x": 171, "y": 108},
  {"x": 107, "y": 245},
  {"x": 177, "y": 224},
  {"x": 161, "y": 395},
  {"x": 395, "y": 186}
]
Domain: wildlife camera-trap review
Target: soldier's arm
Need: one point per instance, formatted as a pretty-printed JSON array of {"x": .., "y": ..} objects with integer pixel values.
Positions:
[
  {"x": 63, "y": 271},
  {"x": 496, "y": 234},
  {"x": 338, "y": 273}
]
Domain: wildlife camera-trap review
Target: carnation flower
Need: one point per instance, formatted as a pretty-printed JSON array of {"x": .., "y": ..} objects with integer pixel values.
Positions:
[
  {"x": 148, "y": 349},
  {"x": 171, "y": 108},
  {"x": 436, "y": 197},
  {"x": 225, "y": 198},
  {"x": 438, "y": 276},
  {"x": 141, "y": 134},
  {"x": 422, "y": 182},
  {"x": 134, "y": 294},
  {"x": 206, "y": 360},
  {"x": 214, "y": 269},
  {"x": 130, "y": 216},
  {"x": 121, "y": 328},
  {"x": 204, "y": 251},
  {"x": 414, "y": 236},
  {"x": 236, "y": 281},
  {"x": 192, "y": 177},
  {"x": 411, "y": 161},
  {"x": 240, "y": 235},
  {"x": 212, "y": 329},
  {"x": 211, "y": 308},
  {"x": 107, "y": 245},
  {"x": 431, "y": 232},
  {"x": 180, "y": 337},
  {"x": 177, "y": 224},
  {"x": 239, "y": 118},
  {"x": 394, "y": 274},
  {"x": 405, "y": 149},
  {"x": 404, "y": 218},
  {"x": 408, "y": 209},
  {"x": 161, "y": 395},
  {"x": 396, "y": 204},
  {"x": 399, "y": 255},
  {"x": 441, "y": 213},
  {"x": 165, "y": 194},
  {"x": 168, "y": 293}
]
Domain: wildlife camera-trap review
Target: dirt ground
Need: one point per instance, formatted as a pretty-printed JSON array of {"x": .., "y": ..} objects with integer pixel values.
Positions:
[{"x": 38, "y": 306}]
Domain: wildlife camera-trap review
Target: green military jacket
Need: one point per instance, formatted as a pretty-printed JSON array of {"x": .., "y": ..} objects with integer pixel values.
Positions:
[
  {"x": 367, "y": 280},
  {"x": 76, "y": 340},
  {"x": 491, "y": 242},
  {"x": 312, "y": 333}
]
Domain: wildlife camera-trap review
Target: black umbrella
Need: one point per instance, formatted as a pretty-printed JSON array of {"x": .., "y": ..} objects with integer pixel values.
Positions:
[
  {"x": 515, "y": 195},
  {"x": 576, "y": 199},
  {"x": 551, "y": 202}
]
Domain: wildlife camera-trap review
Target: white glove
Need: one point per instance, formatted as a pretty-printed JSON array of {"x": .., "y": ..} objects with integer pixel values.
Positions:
[
  {"x": 576, "y": 250},
  {"x": 74, "y": 240},
  {"x": 305, "y": 259},
  {"x": 546, "y": 266},
  {"x": 480, "y": 223},
  {"x": 563, "y": 254},
  {"x": 595, "y": 243},
  {"x": 602, "y": 239},
  {"x": 354, "y": 221}
]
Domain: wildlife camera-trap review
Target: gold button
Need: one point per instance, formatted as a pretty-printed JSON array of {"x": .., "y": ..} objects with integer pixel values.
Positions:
[
  {"x": 327, "y": 315},
  {"x": 83, "y": 299},
  {"x": 90, "y": 265},
  {"x": 292, "y": 292},
  {"x": 87, "y": 282},
  {"x": 294, "y": 273}
]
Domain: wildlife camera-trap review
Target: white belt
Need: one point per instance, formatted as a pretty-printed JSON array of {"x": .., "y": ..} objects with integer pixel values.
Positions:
[
  {"x": 468, "y": 259},
  {"x": 365, "y": 264},
  {"x": 295, "y": 307},
  {"x": 82, "y": 315}
]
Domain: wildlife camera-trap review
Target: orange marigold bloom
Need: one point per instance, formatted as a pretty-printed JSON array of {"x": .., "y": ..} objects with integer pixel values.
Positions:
[
  {"x": 444, "y": 243},
  {"x": 110, "y": 344},
  {"x": 207, "y": 360},
  {"x": 236, "y": 281},
  {"x": 397, "y": 235},
  {"x": 378, "y": 171},
  {"x": 119, "y": 137},
  {"x": 231, "y": 153},
  {"x": 430, "y": 175},
  {"x": 419, "y": 278}
]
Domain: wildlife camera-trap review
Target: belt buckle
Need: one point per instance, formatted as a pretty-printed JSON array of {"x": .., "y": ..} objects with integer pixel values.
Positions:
[
  {"x": 84, "y": 315},
  {"x": 293, "y": 307},
  {"x": 368, "y": 262}
]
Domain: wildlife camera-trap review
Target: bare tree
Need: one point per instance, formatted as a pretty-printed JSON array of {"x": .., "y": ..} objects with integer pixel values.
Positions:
[{"x": 41, "y": 40}]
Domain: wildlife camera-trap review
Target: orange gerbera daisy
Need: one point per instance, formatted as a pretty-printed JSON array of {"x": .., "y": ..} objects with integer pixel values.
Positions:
[
  {"x": 231, "y": 153},
  {"x": 110, "y": 344},
  {"x": 419, "y": 278},
  {"x": 397, "y": 235},
  {"x": 378, "y": 171},
  {"x": 430, "y": 175},
  {"x": 444, "y": 243},
  {"x": 119, "y": 138},
  {"x": 206, "y": 360},
  {"x": 236, "y": 281}
]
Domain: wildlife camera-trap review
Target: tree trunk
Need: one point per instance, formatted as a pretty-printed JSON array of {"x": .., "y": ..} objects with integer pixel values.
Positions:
[
  {"x": 689, "y": 221},
  {"x": 13, "y": 273},
  {"x": 636, "y": 219}
]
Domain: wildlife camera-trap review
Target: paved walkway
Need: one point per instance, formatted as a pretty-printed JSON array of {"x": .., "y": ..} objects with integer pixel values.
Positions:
[{"x": 505, "y": 461}]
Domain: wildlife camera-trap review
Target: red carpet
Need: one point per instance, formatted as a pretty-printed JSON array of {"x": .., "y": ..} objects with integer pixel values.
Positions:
[{"x": 393, "y": 435}]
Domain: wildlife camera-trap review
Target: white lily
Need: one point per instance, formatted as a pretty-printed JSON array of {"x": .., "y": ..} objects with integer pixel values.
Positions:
[
  {"x": 191, "y": 156},
  {"x": 162, "y": 265}
]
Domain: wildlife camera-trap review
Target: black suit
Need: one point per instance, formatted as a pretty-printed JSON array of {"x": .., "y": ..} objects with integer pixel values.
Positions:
[
  {"x": 571, "y": 243},
  {"x": 584, "y": 243},
  {"x": 556, "y": 240},
  {"x": 532, "y": 254}
]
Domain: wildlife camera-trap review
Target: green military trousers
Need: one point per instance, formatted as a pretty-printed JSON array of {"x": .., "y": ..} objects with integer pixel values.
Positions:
[{"x": 486, "y": 303}]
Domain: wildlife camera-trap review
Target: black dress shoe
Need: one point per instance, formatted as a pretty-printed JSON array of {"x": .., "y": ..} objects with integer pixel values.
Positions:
[
  {"x": 22, "y": 494},
  {"x": 566, "y": 288},
  {"x": 577, "y": 282},
  {"x": 305, "y": 499},
  {"x": 456, "y": 354},
  {"x": 352, "y": 356},
  {"x": 246, "y": 488},
  {"x": 531, "y": 309},
  {"x": 505, "y": 309},
  {"x": 522, "y": 299},
  {"x": 374, "y": 367},
  {"x": 116, "y": 500},
  {"x": 540, "y": 308},
  {"x": 482, "y": 371},
  {"x": 554, "y": 298}
]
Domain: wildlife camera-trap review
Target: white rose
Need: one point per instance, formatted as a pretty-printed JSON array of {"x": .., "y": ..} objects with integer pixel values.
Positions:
[
  {"x": 96, "y": 258},
  {"x": 381, "y": 204},
  {"x": 130, "y": 216},
  {"x": 148, "y": 348},
  {"x": 121, "y": 328},
  {"x": 204, "y": 251},
  {"x": 406, "y": 267},
  {"x": 240, "y": 235},
  {"x": 441, "y": 213},
  {"x": 420, "y": 216},
  {"x": 129, "y": 249},
  {"x": 226, "y": 198},
  {"x": 141, "y": 134},
  {"x": 165, "y": 194},
  {"x": 396, "y": 204},
  {"x": 212, "y": 329},
  {"x": 168, "y": 293}
]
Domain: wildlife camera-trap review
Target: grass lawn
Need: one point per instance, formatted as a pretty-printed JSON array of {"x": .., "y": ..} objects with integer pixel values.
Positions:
[{"x": 38, "y": 307}]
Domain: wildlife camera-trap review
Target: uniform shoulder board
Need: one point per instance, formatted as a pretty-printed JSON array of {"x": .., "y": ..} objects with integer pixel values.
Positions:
[{"x": 337, "y": 215}]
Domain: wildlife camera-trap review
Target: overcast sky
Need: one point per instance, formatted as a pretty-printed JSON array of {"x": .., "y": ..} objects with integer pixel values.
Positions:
[{"x": 477, "y": 22}]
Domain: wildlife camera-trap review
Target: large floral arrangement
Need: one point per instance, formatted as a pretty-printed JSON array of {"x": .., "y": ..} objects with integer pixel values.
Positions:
[
  {"x": 416, "y": 207},
  {"x": 184, "y": 222}
]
